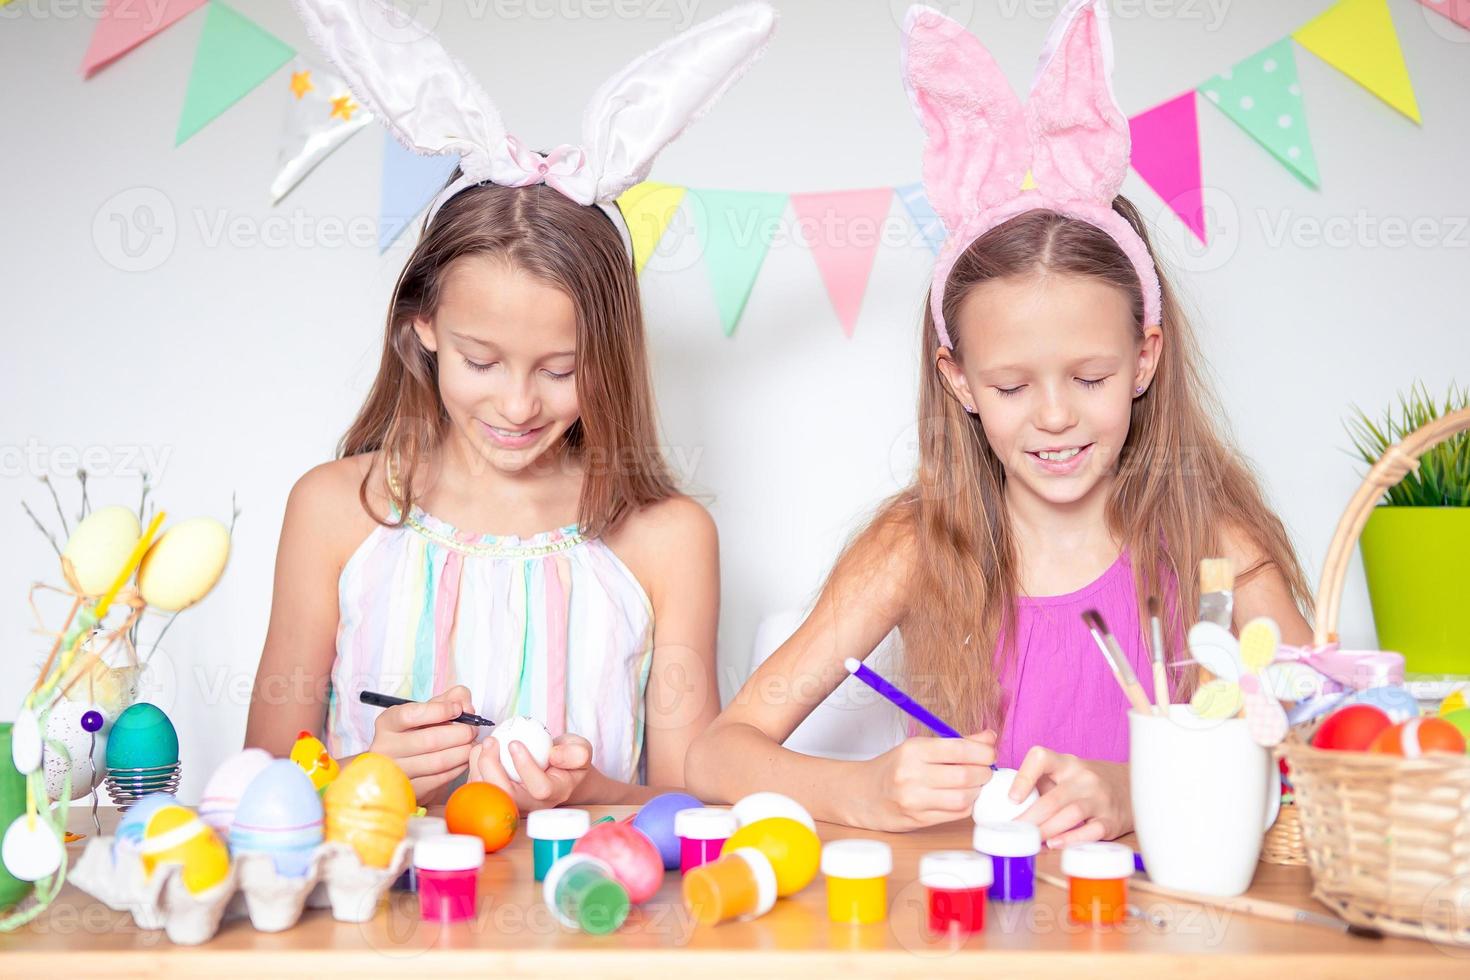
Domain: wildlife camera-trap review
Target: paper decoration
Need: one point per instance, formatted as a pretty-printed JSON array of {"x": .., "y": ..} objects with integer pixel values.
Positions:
[
  {"x": 1264, "y": 98},
  {"x": 1456, "y": 10},
  {"x": 409, "y": 183},
  {"x": 648, "y": 208},
  {"x": 1357, "y": 38},
  {"x": 125, "y": 24},
  {"x": 1166, "y": 156},
  {"x": 735, "y": 230},
  {"x": 234, "y": 56},
  {"x": 320, "y": 116},
  {"x": 843, "y": 230},
  {"x": 919, "y": 208}
]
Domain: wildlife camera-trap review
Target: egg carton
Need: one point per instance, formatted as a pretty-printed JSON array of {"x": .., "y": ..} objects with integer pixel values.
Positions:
[{"x": 335, "y": 878}]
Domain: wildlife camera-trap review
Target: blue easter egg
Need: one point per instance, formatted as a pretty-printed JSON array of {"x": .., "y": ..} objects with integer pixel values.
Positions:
[
  {"x": 656, "y": 819},
  {"x": 142, "y": 738},
  {"x": 280, "y": 814},
  {"x": 1396, "y": 702},
  {"x": 129, "y": 833}
]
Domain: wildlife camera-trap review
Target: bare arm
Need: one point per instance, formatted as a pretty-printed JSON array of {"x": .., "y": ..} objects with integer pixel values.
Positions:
[{"x": 1261, "y": 590}]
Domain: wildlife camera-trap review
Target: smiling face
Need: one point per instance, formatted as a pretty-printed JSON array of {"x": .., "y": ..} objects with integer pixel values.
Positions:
[
  {"x": 506, "y": 344},
  {"x": 1051, "y": 365}
]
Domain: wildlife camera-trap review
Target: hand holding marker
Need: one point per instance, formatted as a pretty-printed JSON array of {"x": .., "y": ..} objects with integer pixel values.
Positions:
[
  {"x": 914, "y": 709},
  {"x": 389, "y": 701}
]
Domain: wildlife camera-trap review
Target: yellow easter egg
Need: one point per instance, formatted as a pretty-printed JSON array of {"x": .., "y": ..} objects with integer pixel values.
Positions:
[
  {"x": 794, "y": 850},
  {"x": 174, "y": 835},
  {"x": 184, "y": 564},
  {"x": 368, "y": 806},
  {"x": 98, "y": 549}
]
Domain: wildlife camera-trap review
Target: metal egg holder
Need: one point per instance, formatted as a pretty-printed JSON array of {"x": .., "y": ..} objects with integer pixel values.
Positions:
[
  {"x": 335, "y": 878},
  {"x": 128, "y": 786}
]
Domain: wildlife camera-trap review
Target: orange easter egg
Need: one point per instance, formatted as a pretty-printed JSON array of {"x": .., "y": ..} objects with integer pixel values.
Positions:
[
  {"x": 483, "y": 810},
  {"x": 368, "y": 806},
  {"x": 1419, "y": 736}
]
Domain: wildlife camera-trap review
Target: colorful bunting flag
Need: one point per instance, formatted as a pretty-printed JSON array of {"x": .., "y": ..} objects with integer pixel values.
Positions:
[
  {"x": 1456, "y": 10},
  {"x": 1166, "y": 156},
  {"x": 320, "y": 116},
  {"x": 735, "y": 229},
  {"x": 648, "y": 208},
  {"x": 1357, "y": 38},
  {"x": 917, "y": 202},
  {"x": 843, "y": 229},
  {"x": 125, "y": 24},
  {"x": 1263, "y": 96},
  {"x": 409, "y": 183},
  {"x": 234, "y": 56}
]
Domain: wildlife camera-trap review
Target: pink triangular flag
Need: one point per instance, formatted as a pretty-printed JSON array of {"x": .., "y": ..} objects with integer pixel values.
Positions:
[
  {"x": 1166, "y": 156},
  {"x": 125, "y": 24},
  {"x": 846, "y": 228},
  {"x": 1456, "y": 10}
]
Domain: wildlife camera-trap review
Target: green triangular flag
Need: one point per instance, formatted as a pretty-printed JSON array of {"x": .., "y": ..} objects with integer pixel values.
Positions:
[
  {"x": 234, "y": 56},
  {"x": 735, "y": 230},
  {"x": 1263, "y": 96}
]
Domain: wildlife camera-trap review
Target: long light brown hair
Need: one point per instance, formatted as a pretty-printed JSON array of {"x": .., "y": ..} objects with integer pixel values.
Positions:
[
  {"x": 1179, "y": 484},
  {"x": 574, "y": 248}
]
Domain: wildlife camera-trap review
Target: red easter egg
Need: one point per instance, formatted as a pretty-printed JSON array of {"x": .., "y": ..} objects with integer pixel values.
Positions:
[
  {"x": 634, "y": 859},
  {"x": 1351, "y": 729},
  {"x": 1417, "y": 736}
]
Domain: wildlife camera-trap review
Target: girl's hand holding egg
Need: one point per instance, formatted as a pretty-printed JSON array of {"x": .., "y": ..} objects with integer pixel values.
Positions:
[
  {"x": 568, "y": 763},
  {"x": 924, "y": 781},
  {"x": 429, "y": 746},
  {"x": 1081, "y": 800}
]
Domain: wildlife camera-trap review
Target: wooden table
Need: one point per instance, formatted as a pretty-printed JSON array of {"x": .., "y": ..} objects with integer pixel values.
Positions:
[{"x": 514, "y": 935}]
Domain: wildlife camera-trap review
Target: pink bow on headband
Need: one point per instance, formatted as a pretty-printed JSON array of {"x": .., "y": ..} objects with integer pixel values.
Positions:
[
  {"x": 1070, "y": 136},
  {"x": 564, "y": 168}
]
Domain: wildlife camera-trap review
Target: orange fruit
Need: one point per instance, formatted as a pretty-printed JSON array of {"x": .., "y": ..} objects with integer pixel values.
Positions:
[{"x": 483, "y": 810}]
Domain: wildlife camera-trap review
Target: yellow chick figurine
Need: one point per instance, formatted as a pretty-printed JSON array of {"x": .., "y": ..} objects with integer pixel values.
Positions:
[{"x": 311, "y": 755}]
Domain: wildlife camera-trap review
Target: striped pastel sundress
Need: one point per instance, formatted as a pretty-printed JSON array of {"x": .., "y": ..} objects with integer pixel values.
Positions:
[{"x": 553, "y": 626}]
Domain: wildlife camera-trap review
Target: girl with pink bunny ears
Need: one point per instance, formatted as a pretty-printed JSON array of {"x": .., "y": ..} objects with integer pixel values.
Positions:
[
  {"x": 1068, "y": 461},
  {"x": 500, "y": 534}
]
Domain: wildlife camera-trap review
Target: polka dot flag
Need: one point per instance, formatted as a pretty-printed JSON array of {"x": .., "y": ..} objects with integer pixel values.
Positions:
[{"x": 1264, "y": 98}]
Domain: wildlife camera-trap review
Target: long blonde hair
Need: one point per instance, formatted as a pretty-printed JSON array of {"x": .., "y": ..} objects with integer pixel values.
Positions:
[
  {"x": 574, "y": 248},
  {"x": 1179, "y": 484}
]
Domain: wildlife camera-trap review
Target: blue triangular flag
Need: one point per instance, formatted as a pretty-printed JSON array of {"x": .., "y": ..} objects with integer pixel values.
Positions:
[
  {"x": 410, "y": 182},
  {"x": 929, "y": 224}
]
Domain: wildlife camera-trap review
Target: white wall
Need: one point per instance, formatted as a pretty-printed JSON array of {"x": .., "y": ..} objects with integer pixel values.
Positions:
[{"x": 240, "y": 361}]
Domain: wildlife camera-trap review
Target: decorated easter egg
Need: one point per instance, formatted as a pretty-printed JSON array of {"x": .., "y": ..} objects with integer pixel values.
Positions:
[
  {"x": 1396, "y": 702},
  {"x": 994, "y": 804},
  {"x": 530, "y": 733},
  {"x": 99, "y": 548},
  {"x": 1461, "y": 720},
  {"x": 1418, "y": 736},
  {"x": 1351, "y": 729},
  {"x": 312, "y": 757},
  {"x": 142, "y": 738},
  {"x": 759, "y": 806},
  {"x": 1455, "y": 702},
  {"x": 794, "y": 850},
  {"x": 64, "y": 725},
  {"x": 280, "y": 814},
  {"x": 128, "y": 837},
  {"x": 184, "y": 563},
  {"x": 656, "y": 819},
  {"x": 483, "y": 810},
  {"x": 368, "y": 806},
  {"x": 223, "y": 791},
  {"x": 634, "y": 860},
  {"x": 176, "y": 835}
]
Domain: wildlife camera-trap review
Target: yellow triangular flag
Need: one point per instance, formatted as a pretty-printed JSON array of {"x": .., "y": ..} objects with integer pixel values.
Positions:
[
  {"x": 1029, "y": 184},
  {"x": 648, "y": 208},
  {"x": 1357, "y": 38}
]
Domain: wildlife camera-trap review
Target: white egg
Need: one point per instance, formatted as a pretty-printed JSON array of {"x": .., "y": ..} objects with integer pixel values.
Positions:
[
  {"x": 994, "y": 805},
  {"x": 530, "y": 733},
  {"x": 98, "y": 549},
  {"x": 184, "y": 564},
  {"x": 25, "y": 742},
  {"x": 64, "y": 725},
  {"x": 759, "y": 806},
  {"x": 31, "y": 850}
]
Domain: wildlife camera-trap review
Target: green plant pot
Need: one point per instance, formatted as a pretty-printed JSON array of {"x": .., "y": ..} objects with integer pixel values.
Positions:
[
  {"x": 12, "y": 805},
  {"x": 1418, "y": 564}
]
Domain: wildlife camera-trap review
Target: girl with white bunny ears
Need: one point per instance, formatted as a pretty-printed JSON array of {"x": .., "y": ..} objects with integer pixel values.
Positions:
[{"x": 512, "y": 397}]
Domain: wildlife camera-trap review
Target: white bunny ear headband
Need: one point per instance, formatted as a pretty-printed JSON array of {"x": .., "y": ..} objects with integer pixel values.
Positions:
[
  {"x": 433, "y": 106},
  {"x": 981, "y": 142}
]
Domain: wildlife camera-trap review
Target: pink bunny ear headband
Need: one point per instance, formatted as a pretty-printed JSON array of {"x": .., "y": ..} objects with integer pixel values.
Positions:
[
  {"x": 1071, "y": 137},
  {"x": 433, "y": 106}
]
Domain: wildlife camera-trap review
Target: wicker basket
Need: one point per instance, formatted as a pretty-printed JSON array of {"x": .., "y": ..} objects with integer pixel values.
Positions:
[{"x": 1387, "y": 839}]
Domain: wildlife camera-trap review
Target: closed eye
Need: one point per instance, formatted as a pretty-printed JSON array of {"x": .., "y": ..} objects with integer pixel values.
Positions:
[
  {"x": 558, "y": 377},
  {"x": 1009, "y": 391},
  {"x": 1092, "y": 382},
  {"x": 476, "y": 366}
]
